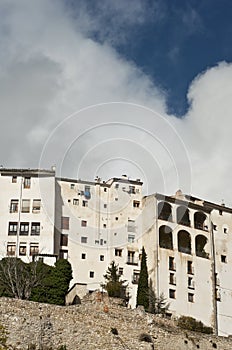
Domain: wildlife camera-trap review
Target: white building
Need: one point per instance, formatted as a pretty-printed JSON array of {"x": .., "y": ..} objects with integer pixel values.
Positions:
[{"x": 187, "y": 240}]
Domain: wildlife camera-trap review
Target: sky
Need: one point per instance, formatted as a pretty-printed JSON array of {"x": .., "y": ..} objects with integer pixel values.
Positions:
[{"x": 107, "y": 88}]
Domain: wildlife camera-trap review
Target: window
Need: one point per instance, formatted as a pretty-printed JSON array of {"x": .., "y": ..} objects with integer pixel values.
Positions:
[
  {"x": 190, "y": 269},
  {"x": 172, "y": 278},
  {"x": 72, "y": 186},
  {"x": 35, "y": 228},
  {"x": 223, "y": 258},
  {"x": 131, "y": 226},
  {"x": 104, "y": 225},
  {"x": 69, "y": 200},
  {"x": 220, "y": 212},
  {"x": 24, "y": 228},
  {"x": 215, "y": 227},
  {"x": 191, "y": 297},
  {"x": 63, "y": 254},
  {"x": 101, "y": 257},
  {"x": 131, "y": 258},
  {"x": 91, "y": 274},
  {"x": 25, "y": 205},
  {"x": 172, "y": 293},
  {"x": 116, "y": 218},
  {"x": 14, "y": 179},
  {"x": 120, "y": 271},
  {"x": 116, "y": 199},
  {"x": 83, "y": 223},
  {"x": 65, "y": 223},
  {"x": 131, "y": 189},
  {"x": 12, "y": 230},
  {"x": 105, "y": 206},
  {"x": 27, "y": 182},
  {"x": 75, "y": 201},
  {"x": 136, "y": 204},
  {"x": 131, "y": 238},
  {"x": 101, "y": 241},
  {"x": 34, "y": 248},
  {"x": 118, "y": 252},
  {"x": 135, "y": 277},
  {"x": 84, "y": 203},
  {"x": 116, "y": 186},
  {"x": 96, "y": 241},
  {"x": 218, "y": 295},
  {"x": 105, "y": 189},
  {"x": 64, "y": 240},
  {"x": 14, "y": 205},
  {"x": 87, "y": 193},
  {"x": 36, "y": 205},
  {"x": 83, "y": 256},
  {"x": 191, "y": 283},
  {"x": 22, "y": 249},
  {"x": 83, "y": 239},
  {"x": 225, "y": 230},
  {"x": 172, "y": 265},
  {"x": 11, "y": 249},
  {"x": 165, "y": 237}
]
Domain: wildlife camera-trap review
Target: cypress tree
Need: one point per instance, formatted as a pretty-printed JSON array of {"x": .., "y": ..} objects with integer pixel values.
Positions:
[{"x": 143, "y": 288}]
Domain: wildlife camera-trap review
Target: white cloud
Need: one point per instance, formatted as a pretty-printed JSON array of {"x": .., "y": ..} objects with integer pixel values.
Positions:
[{"x": 50, "y": 69}]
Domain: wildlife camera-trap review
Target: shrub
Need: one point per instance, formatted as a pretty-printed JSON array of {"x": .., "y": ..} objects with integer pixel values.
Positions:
[{"x": 192, "y": 324}]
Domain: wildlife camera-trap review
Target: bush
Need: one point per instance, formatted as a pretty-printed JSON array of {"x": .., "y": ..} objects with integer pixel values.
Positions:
[{"x": 192, "y": 324}]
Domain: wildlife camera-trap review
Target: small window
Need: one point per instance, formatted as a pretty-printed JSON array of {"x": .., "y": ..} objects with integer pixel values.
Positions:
[
  {"x": 63, "y": 254},
  {"x": 191, "y": 297},
  {"x": 84, "y": 203},
  {"x": 83, "y": 239},
  {"x": 172, "y": 265},
  {"x": 24, "y": 228},
  {"x": 225, "y": 230},
  {"x": 14, "y": 205},
  {"x": 64, "y": 240},
  {"x": 131, "y": 238},
  {"x": 118, "y": 252},
  {"x": 101, "y": 257},
  {"x": 75, "y": 201},
  {"x": 83, "y": 223},
  {"x": 65, "y": 223},
  {"x": 120, "y": 271},
  {"x": 72, "y": 186},
  {"x": 105, "y": 189},
  {"x": 191, "y": 283},
  {"x": 215, "y": 227},
  {"x": 27, "y": 182},
  {"x": 190, "y": 269},
  {"x": 116, "y": 186},
  {"x": 101, "y": 241},
  {"x": 11, "y": 249},
  {"x": 116, "y": 218},
  {"x": 220, "y": 212},
  {"x": 131, "y": 226},
  {"x": 14, "y": 179},
  {"x": 23, "y": 249},
  {"x": 12, "y": 230},
  {"x": 35, "y": 228},
  {"x": 116, "y": 199},
  {"x": 136, "y": 204},
  {"x": 223, "y": 258},
  {"x": 172, "y": 278},
  {"x": 91, "y": 274},
  {"x": 135, "y": 277},
  {"x": 36, "y": 205},
  {"x": 131, "y": 189},
  {"x": 25, "y": 205},
  {"x": 96, "y": 241},
  {"x": 83, "y": 256},
  {"x": 105, "y": 206},
  {"x": 104, "y": 225},
  {"x": 69, "y": 200},
  {"x": 172, "y": 293},
  {"x": 34, "y": 248}
]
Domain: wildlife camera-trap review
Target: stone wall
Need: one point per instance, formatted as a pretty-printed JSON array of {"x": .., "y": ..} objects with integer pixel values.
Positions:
[{"x": 88, "y": 326}]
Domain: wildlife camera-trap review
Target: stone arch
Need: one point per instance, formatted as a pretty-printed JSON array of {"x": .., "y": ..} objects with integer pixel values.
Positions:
[
  {"x": 200, "y": 220},
  {"x": 200, "y": 243},
  {"x": 184, "y": 242},
  {"x": 165, "y": 237},
  {"x": 183, "y": 215},
  {"x": 165, "y": 211}
]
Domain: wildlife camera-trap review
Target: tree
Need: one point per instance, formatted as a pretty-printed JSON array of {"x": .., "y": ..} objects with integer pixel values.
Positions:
[
  {"x": 157, "y": 305},
  {"x": 143, "y": 289},
  {"x": 114, "y": 285}
]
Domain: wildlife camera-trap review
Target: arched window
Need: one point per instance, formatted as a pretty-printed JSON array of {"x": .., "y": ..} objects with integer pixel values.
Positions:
[
  {"x": 184, "y": 242},
  {"x": 200, "y": 221},
  {"x": 183, "y": 216},
  {"x": 200, "y": 242},
  {"x": 165, "y": 211},
  {"x": 165, "y": 237}
]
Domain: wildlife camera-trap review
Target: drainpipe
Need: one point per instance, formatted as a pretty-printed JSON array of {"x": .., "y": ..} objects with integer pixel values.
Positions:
[{"x": 213, "y": 266}]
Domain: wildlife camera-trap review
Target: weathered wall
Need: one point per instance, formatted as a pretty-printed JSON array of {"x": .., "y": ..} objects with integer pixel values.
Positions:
[{"x": 88, "y": 326}]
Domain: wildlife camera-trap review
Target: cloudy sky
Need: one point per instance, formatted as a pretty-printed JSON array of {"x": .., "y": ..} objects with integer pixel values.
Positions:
[{"x": 106, "y": 88}]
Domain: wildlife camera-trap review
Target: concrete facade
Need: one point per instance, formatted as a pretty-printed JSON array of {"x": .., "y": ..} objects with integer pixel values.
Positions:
[{"x": 188, "y": 241}]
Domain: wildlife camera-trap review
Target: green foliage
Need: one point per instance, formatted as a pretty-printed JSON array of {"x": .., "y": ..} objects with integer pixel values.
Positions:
[
  {"x": 192, "y": 324},
  {"x": 114, "y": 286},
  {"x": 143, "y": 289},
  {"x": 157, "y": 305}
]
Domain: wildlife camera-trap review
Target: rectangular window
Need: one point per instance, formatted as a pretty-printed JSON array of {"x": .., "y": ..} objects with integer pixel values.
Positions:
[
  {"x": 35, "y": 228},
  {"x": 135, "y": 277},
  {"x": 120, "y": 271},
  {"x": 190, "y": 269},
  {"x": 83, "y": 256},
  {"x": 24, "y": 228},
  {"x": 116, "y": 186},
  {"x": 36, "y": 205},
  {"x": 87, "y": 193},
  {"x": 72, "y": 186},
  {"x": 27, "y": 182},
  {"x": 22, "y": 249},
  {"x": 136, "y": 204},
  {"x": 65, "y": 223},
  {"x": 131, "y": 238},
  {"x": 34, "y": 249},
  {"x": 14, "y": 179},
  {"x": 25, "y": 205},
  {"x": 101, "y": 257},
  {"x": 118, "y": 252},
  {"x": 172, "y": 278},
  {"x": 63, "y": 254},
  {"x": 83, "y": 239},
  {"x": 83, "y": 223},
  {"x": 131, "y": 226},
  {"x": 64, "y": 240},
  {"x": 105, "y": 189},
  {"x": 11, "y": 249},
  {"x": 223, "y": 258},
  {"x": 172, "y": 293},
  {"x": 91, "y": 274},
  {"x": 131, "y": 258},
  {"x": 104, "y": 225},
  {"x": 96, "y": 241},
  {"x": 14, "y": 206},
  {"x": 75, "y": 201},
  {"x": 12, "y": 230},
  {"x": 215, "y": 227},
  {"x": 84, "y": 203},
  {"x": 225, "y": 230},
  {"x": 191, "y": 297},
  {"x": 172, "y": 265},
  {"x": 191, "y": 283},
  {"x": 131, "y": 189},
  {"x": 105, "y": 206}
]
